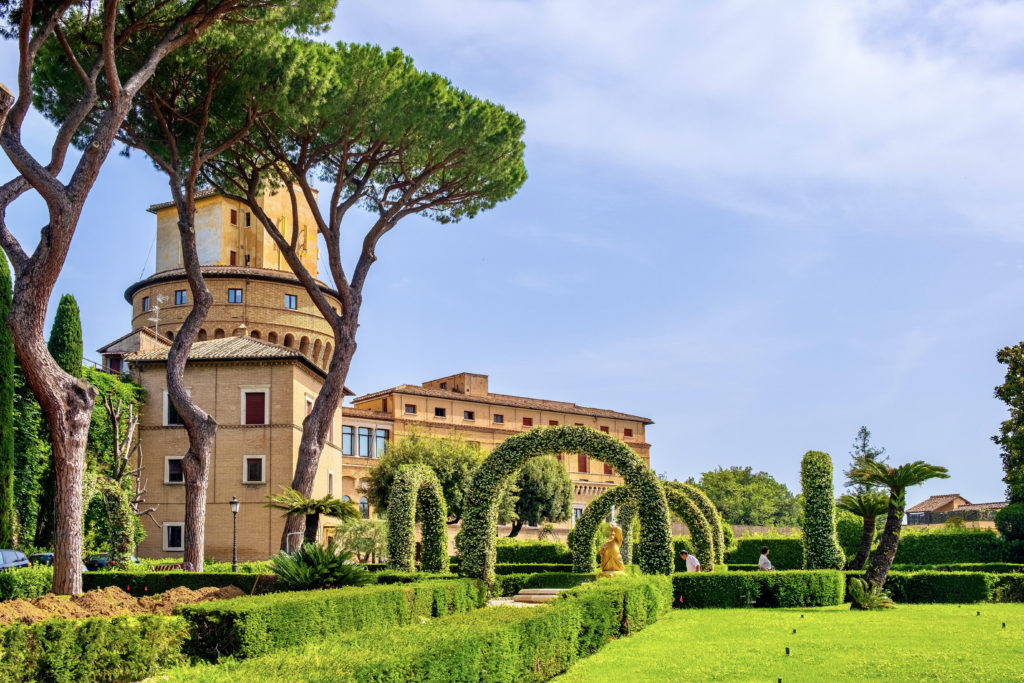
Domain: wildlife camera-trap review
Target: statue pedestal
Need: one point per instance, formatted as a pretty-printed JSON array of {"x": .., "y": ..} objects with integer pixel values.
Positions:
[{"x": 608, "y": 575}]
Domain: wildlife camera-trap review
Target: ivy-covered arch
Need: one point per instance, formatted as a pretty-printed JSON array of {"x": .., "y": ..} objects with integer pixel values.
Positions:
[
  {"x": 475, "y": 542},
  {"x": 581, "y": 538},
  {"x": 711, "y": 514},
  {"x": 416, "y": 491},
  {"x": 700, "y": 530}
]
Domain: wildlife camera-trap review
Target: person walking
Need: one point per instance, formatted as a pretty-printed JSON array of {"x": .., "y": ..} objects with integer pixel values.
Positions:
[
  {"x": 692, "y": 563},
  {"x": 764, "y": 564}
]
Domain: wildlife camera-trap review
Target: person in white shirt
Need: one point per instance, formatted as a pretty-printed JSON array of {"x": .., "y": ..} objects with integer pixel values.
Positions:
[
  {"x": 692, "y": 563},
  {"x": 764, "y": 564}
]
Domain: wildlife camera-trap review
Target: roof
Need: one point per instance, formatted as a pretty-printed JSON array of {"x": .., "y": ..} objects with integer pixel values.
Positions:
[
  {"x": 505, "y": 400},
  {"x": 143, "y": 330},
  {"x": 201, "y": 194},
  {"x": 348, "y": 411},
  {"x": 984, "y": 506},
  {"x": 933, "y": 503},
  {"x": 268, "y": 274}
]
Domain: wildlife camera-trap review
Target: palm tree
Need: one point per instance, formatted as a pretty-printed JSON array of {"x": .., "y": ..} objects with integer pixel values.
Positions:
[
  {"x": 868, "y": 506},
  {"x": 294, "y": 503},
  {"x": 897, "y": 480}
]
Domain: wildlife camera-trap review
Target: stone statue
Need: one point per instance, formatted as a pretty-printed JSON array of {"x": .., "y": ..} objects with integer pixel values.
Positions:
[{"x": 611, "y": 561}]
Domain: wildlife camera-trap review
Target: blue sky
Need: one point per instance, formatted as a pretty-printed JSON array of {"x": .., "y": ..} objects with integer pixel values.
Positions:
[{"x": 760, "y": 224}]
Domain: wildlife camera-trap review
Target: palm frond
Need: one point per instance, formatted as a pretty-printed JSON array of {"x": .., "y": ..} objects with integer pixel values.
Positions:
[{"x": 868, "y": 504}]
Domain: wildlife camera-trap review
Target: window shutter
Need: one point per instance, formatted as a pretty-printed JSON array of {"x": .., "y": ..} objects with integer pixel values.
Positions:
[{"x": 255, "y": 406}]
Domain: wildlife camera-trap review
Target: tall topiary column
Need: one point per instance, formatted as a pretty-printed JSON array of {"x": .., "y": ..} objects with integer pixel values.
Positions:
[
  {"x": 821, "y": 546},
  {"x": 6, "y": 412}
]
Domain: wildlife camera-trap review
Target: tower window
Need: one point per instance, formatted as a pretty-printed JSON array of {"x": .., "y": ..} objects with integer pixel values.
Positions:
[
  {"x": 382, "y": 442},
  {"x": 347, "y": 436},
  {"x": 174, "y": 473},
  {"x": 291, "y": 301},
  {"x": 233, "y": 258},
  {"x": 254, "y": 408},
  {"x": 174, "y": 536},
  {"x": 581, "y": 463},
  {"x": 145, "y": 304},
  {"x": 552, "y": 423},
  {"x": 234, "y": 296},
  {"x": 499, "y": 419},
  {"x": 253, "y": 469},
  {"x": 365, "y": 443},
  {"x": 604, "y": 429},
  {"x": 180, "y": 297}
]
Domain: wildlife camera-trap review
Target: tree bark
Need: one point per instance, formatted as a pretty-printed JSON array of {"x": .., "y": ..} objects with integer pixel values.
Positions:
[
  {"x": 881, "y": 561},
  {"x": 312, "y": 525},
  {"x": 866, "y": 539},
  {"x": 517, "y": 526}
]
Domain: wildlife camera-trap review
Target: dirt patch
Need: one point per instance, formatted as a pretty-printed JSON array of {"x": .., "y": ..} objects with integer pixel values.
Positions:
[{"x": 108, "y": 602}]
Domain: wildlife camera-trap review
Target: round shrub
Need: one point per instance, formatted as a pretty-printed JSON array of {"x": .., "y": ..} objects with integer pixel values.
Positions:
[
  {"x": 417, "y": 491},
  {"x": 711, "y": 514},
  {"x": 821, "y": 547},
  {"x": 475, "y": 541},
  {"x": 700, "y": 531},
  {"x": 581, "y": 538},
  {"x": 1010, "y": 521}
]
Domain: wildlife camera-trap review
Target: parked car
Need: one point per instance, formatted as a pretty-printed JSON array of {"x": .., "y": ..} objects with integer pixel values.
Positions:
[
  {"x": 102, "y": 561},
  {"x": 43, "y": 559},
  {"x": 12, "y": 559}
]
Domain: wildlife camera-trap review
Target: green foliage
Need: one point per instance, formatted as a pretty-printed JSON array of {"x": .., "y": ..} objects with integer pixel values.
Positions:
[
  {"x": 27, "y": 582},
  {"x": 746, "y": 497},
  {"x": 861, "y": 453},
  {"x": 849, "y": 530},
  {"x": 140, "y": 583},
  {"x": 253, "y": 626},
  {"x": 1011, "y": 431},
  {"x": 416, "y": 494},
  {"x": 1010, "y": 521},
  {"x": 521, "y": 551},
  {"x": 7, "y": 386},
  {"x": 94, "y": 649},
  {"x": 710, "y": 513},
  {"x": 947, "y": 587},
  {"x": 728, "y": 538},
  {"x": 1010, "y": 589},
  {"x": 581, "y": 538},
  {"x": 542, "y": 493},
  {"x": 452, "y": 459},
  {"x": 805, "y": 588},
  {"x": 988, "y": 567},
  {"x": 786, "y": 552},
  {"x": 532, "y": 568},
  {"x": 941, "y": 546},
  {"x": 701, "y": 535},
  {"x": 65, "y": 343},
  {"x": 867, "y": 596},
  {"x": 315, "y": 566},
  {"x": 507, "y": 585},
  {"x": 294, "y": 503},
  {"x": 679, "y": 544},
  {"x": 475, "y": 541},
  {"x": 821, "y": 547},
  {"x": 364, "y": 538},
  {"x": 32, "y": 468}
]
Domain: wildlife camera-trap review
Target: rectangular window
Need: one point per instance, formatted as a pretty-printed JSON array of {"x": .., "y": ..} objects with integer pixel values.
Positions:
[
  {"x": 499, "y": 419},
  {"x": 608, "y": 469},
  {"x": 255, "y": 408},
  {"x": 173, "y": 471},
  {"x": 439, "y": 412},
  {"x": 291, "y": 301},
  {"x": 365, "y": 443},
  {"x": 382, "y": 442},
  {"x": 309, "y": 405},
  {"x": 248, "y": 218},
  {"x": 252, "y": 472},
  {"x": 233, "y": 258},
  {"x": 346, "y": 440},
  {"x": 468, "y": 415},
  {"x": 171, "y": 413},
  {"x": 180, "y": 298},
  {"x": 145, "y": 304},
  {"x": 579, "y": 424},
  {"x": 604, "y": 429},
  {"x": 527, "y": 421},
  {"x": 410, "y": 409},
  {"x": 330, "y": 483},
  {"x": 552, "y": 423},
  {"x": 576, "y": 514},
  {"x": 627, "y": 432},
  {"x": 174, "y": 533},
  {"x": 581, "y": 463},
  {"x": 234, "y": 296},
  {"x": 234, "y": 217}
]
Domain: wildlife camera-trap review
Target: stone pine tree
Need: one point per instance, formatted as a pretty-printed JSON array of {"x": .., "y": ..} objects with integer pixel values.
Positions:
[
  {"x": 7, "y": 380},
  {"x": 385, "y": 137},
  {"x": 821, "y": 545}
]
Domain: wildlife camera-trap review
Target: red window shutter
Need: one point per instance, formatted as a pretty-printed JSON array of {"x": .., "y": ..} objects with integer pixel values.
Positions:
[
  {"x": 234, "y": 217},
  {"x": 233, "y": 258},
  {"x": 527, "y": 421},
  {"x": 581, "y": 463},
  {"x": 627, "y": 432},
  {"x": 255, "y": 405},
  {"x": 553, "y": 423},
  {"x": 604, "y": 429},
  {"x": 608, "y": 469}
]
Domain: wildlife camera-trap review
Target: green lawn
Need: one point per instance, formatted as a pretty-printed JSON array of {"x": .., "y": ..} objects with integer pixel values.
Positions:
[{"x": 910, "y": 643}]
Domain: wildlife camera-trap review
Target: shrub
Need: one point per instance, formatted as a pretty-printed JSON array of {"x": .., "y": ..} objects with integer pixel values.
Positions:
[
  {"x": 805, "y": 588},
  {"x": 1010, "y": 521},
  {"x": 941, "y": 546},
  {"x": 507, "y": 585},
  {"x": 251, "y": 626},
  {"x": 701, "y": 500},
  {"x": 786, "y": 552},
  {"x": 941, "y": 587},
  {"x": 1009, "y": 588},
  {"x": 388, "y": 576},
  {"x": 679, "y": 544},
  {"x": 94, "y": 649},
  {"x": 531, "y": 568},
  {"x": 514, "y": 551},
  {"x": 314, "y": 566},
  {"x": 743, "y": 568},
  {"x": 989, "y": 568},
  {"x": 27, "y": 582},
  {"x": 151, "y": 583},
  {"x": 729, "y": 538},
  {"x": 701, "y": 536},
  {"x": 821, "y": 547},
  {"x": 416, "y": 492},
  {"x": 867, "y": 596},
  {"x": 849, "y": 530}
]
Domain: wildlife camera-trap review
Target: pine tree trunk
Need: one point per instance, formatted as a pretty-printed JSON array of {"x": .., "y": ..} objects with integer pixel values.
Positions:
[
  {"x": 517, "y": 526},
  {"x": 312, "y": 525},
  {"x": 865, "y": 544},
  {"x": 881, "y": 561}
]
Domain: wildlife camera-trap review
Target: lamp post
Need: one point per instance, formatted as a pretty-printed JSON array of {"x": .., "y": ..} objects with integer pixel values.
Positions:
[{"x": 234, "y": 533}]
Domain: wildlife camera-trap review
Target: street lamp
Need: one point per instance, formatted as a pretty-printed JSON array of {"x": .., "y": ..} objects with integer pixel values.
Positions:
[{"x": 234, "y": 533}]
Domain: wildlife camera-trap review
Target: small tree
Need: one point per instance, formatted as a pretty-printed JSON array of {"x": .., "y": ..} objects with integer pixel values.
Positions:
[
  {"x": 1011, "y": 431},
  {"x": 868, "y": 506},
  {"x": 542, "y": 493},
  {"x": 294, "y": 503},
  {"x": 7, "y": 381},
  {"x": 821, "y": 546},
  {"x": 747, "y": 497},
  {"x": 862, "y": 452}
]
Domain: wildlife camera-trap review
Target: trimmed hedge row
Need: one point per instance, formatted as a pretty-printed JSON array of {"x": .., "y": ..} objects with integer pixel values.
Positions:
[
  {"x": 988, "y": 568},
  {"x": 27, "y": 582},
  {"x": 151, "y": 583},
  {"x": 502, "y": 644},
  {"x": 785, "y": 553},
  {"x": 941, "y": 587},
  {"x": 938, "y": 547},
  {"x": 507, "y": 585},
  {"x": 252, "y": 626},
  {"x": 679, "y": 544},
  {"x": 94, "y": 649},
  {"x": 532, "y": 568},
  {"x": 513, "y": 551},
  {"x": 812, "y": 588}
]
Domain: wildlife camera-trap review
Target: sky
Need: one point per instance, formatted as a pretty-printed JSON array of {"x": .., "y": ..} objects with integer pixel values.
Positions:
[{"x": 761, "y": 225}]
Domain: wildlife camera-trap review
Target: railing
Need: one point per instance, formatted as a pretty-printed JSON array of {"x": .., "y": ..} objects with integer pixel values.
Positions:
[{"x": 941, "y": 517}]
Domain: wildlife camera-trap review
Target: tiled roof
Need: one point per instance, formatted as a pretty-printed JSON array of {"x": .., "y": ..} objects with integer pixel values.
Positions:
[
  {"x": 348, "y": 411},
  {"x": 935, "y": 502},
  {"x": 984, "y": 506},
  {"x": 505, "y": 400},
  {"x": 201, "y": 194},
  {"x": 144, "y": 330},
  {"x": 229, "y": 348}
]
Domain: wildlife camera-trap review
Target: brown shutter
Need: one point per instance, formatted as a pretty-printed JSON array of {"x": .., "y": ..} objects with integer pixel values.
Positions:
[
  {"x": 255, "y": 405},
  {"x": 581, "y": 463}
]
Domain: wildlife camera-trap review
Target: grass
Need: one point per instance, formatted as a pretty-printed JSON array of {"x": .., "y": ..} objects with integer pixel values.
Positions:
[{"x": 912, "y": 642}]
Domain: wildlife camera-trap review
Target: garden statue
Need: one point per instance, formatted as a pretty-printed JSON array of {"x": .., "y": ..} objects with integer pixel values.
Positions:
[{"x": 611, "y": 561}]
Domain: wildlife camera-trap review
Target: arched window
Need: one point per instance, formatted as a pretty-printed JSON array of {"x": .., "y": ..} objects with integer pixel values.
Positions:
[
  {"x": 202, "y": 335},
  {"x": 316, "y": 351},
  {"x": 364, "y": 507},
  {"x": 255, "y": 334},
  {"x": 346, "y": 499},
  {"x": 272, "y": 337},
  {"x": 327, "y": 355},
  {"x": 218, "y": 333},
  {"x": 169, "y": 335},
  {"x": 289, "y": 341},
  {"x": 304, "y": 346}
]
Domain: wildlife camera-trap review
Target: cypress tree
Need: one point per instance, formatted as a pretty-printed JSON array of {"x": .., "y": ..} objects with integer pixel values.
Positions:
[
  {"x": 6, "y": 412},
  {"x": 65, "y": 342}
]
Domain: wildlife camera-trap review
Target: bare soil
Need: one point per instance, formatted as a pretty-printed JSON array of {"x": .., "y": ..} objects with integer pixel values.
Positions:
[{"x": 108, "y": 602}]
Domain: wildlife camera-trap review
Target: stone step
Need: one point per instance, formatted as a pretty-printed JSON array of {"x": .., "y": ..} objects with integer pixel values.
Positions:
[
  {"x": 541, "y": 591},
  {"x": 533, "y": 598}
]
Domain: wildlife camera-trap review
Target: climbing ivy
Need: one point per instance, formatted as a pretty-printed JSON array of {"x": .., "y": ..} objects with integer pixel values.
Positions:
[
  {"x": 700, "y": 531},
  {"x": 581, "y": 538},
  {"x": 416, "y": 493},
  {"x": 821, "y": 546},
  {"x": 711, "y": 514},
  {"x": 475, "y": 542}
]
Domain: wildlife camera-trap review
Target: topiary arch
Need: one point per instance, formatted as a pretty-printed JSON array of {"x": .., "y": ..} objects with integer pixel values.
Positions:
[
  {"x": 700, "y": 531},
  {"x": 475, "y": 542},
  {"x": 581, "y": 538},
  {"x": 416, "y": 490},
  {"x": 702, "y": 501}
]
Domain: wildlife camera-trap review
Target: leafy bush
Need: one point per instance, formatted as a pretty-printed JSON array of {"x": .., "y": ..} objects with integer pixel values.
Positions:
[
  {"x": 314, "y": 566},
  {"x": 987, "y": 567},
  {"x": 941, "y": 587},
  {"x": 821, "y": 547},
  {"x": 388, "y": 576},
  {"x": 728, "y": 537},
  {"x": 531, "y": 568},
  {"x": 804, "y": 588},
  {"x": 416, "y": 493},
  {"x": 1010, "y": 521},
  {"x": 251, "y": 626},
  {"x": 701, "y": 535},
  {"x": 710, "y": 512},
  {"x": 94, "y": 649},
  {"x": 743, "y": 568},
  {"x": 941, "y": 546},
  {"x": 786, "y": 552},
  {"x": 679, "y": 544},
  {"x": 151, "y": 583},
  {"x": 515, "y": 551},
  {"x": 867, "y": 596},
  {"x": 507, "y": 585},
  {"x": 26, "y": 582},
  {"x": 1009, "y": 588},
  {"x": 849, "y": 530}
]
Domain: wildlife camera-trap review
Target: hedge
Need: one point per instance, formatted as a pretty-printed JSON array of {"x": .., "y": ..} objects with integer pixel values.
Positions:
[
  {"x": 581, "y": 538},
  {"x": 93, "y": 649},
  {"x": 803, "y": 588},
  {"x": 702, "y": 501},
  {"x": 252, "y": 626},
  {"x": 514, "y": 551},
  {"x": 502, "y": 644},
  {"x": 941, "y": 587},
  {"x": 743, "y": 568},
  {"x": 389, "y": 576},
  {"x": 785, "y": 553},
  {"x": 679, "y": 544},
  {"x": 507, "y": 585},
  {"x": 26, "y": 582},
  {"x": 988, "y": 568},
  {"x": 938, "y": 547},
  {"x": 821, "y": 546},
  {"x": 151, "y": 583},
  {"x": 701, "y": 534},
  {"x": 416, "y": 491}
]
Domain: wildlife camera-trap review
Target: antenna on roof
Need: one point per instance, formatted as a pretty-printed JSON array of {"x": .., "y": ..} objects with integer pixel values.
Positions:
[{"x": 160, "y": 298}]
